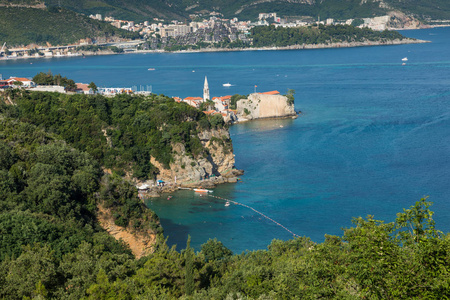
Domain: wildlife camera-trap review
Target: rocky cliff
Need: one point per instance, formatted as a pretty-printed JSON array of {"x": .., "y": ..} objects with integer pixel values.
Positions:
[
  {"x": 216, "y": 162},
  {"x": 399, "y": 20},
  {"x": 140, "y": 243},
  {"x": 259, "y": 106}
]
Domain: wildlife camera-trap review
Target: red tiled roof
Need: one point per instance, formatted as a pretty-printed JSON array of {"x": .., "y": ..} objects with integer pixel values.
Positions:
[
  {"x": 222, "y": 98},
  {"x": 83, "y": 86},
  {"x": 18, "y": 79},
  {"x": 193, "y": 98},
  {"x": 271, "y": 93},
  {"x": 209, "y": 112}
]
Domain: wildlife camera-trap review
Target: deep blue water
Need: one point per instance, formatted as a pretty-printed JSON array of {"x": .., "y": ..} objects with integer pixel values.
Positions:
[{"x": 374, "y": 136}]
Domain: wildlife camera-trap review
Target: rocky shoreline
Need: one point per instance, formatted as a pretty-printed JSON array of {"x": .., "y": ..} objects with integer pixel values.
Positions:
[
  {"x": 212, "y": 182},
  {"x": 218, "y": 167}
]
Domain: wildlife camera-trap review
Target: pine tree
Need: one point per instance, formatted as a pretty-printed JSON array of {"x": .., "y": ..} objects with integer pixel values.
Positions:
[{"x": 189, "y": 268}]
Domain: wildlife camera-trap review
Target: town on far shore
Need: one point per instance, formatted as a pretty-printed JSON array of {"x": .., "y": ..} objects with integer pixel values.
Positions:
[{"x": 159, "y": 34}]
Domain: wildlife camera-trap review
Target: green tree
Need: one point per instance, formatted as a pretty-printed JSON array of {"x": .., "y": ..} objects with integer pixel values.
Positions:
[
  {"x": 35, "y": 266},
  {"x": 189, "y": 284},
  {"x": 416, "y": 223},
  {"x": 70, "y": 85},
  {"x": 290, "y": 95},
  {"x": 93, "y": 87},
  {"x": 215, "y": 250}
]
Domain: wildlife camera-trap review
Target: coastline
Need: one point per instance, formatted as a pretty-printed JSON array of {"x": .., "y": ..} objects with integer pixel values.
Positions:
[{"x": 207, "y": 50}]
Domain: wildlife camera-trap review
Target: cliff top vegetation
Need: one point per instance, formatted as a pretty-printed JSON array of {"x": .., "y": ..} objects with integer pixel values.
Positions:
[{"x": 122, "y": 132}]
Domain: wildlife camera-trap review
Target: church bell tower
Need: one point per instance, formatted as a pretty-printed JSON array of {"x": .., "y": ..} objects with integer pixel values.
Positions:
[{"x": 206, "y": 90}]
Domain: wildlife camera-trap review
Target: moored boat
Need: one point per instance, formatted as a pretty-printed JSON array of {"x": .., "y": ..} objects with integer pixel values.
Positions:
[{"x": 202, "y": 191}]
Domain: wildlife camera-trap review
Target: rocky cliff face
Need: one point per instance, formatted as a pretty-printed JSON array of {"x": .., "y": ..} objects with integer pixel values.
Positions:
[
  {"x": 185, "y": 169},
  {"x": 140, "y": 243},
  {"x": 399, "y": 20},
  {"x": 259, "y": 106}
]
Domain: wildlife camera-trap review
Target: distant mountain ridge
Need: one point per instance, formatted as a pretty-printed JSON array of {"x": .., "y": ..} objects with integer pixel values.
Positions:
[{"x": 140, "y": 10}]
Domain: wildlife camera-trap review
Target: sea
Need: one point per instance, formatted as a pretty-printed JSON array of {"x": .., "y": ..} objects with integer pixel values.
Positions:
[{"x": 373, "y": 136}]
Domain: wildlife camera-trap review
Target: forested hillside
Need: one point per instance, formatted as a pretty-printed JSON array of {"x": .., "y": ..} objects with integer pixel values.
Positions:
[
  {"x": 140, "y": 10},
  {"x": 265, "y": 36},
  {"x": 23, "y": 26},
  {"x": 52, "y": 245},
  {"x": 121, "y": 132},
  {"x": 137, "y": 10}
]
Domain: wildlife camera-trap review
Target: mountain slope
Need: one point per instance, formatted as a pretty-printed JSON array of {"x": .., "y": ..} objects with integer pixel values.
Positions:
[
  {"x": 137, "y": 10},
  {"x": 20, "y": 25},
  {"x": 425, "y": 9},
  {"x": 141, "y": 10}
]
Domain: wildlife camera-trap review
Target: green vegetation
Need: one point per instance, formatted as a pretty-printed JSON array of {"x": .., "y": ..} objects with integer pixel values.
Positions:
[
  {"x": 49, "y": 79},
  {"x": 405, "y": 259},
  {"x": 51, "y": 243},
  {"x": 144, "y": 10},
  {"x": 424, "y": 9},
  {"x": 121, "y": 132},
  {"x": 96, "y": 48},
  {"x": 136, "y": 10},
  {"x": 22, "y": 26},
  {"x": 235, "y": 98},
  {"x": 290, "y": 95},
  {"x": 264, "y": 36}
]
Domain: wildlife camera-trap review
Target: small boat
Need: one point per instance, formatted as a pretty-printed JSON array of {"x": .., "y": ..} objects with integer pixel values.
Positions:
[
  {"x": 403, "y": 64},
  {"x": 202, "y": 191},
  {"x": 404, "y": 59},
  {"x": 151, "y": 69},
  {"x": 227, "y": 203},
  {"x": 170, "y": 197},
  {"x": 227, "y": 84}
]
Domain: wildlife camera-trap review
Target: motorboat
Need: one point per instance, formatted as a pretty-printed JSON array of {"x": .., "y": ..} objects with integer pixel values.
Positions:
[
  {"x": 404, "y": 59},
  {"x": 151, "y": 69},
  {"x": 227, "y": 203},
  {"x": 202, "y": 191},
  {"x": 226, "y": 84}
]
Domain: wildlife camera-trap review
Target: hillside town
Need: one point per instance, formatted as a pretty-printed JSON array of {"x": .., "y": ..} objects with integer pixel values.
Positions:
[
  {"x": 234, "y": 27},
  {"x": 217, "y": 29},
  {"x": 160, "y": 35}
]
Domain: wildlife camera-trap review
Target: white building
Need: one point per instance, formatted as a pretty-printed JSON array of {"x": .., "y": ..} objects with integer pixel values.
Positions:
[{"x": 24, "y": 81}]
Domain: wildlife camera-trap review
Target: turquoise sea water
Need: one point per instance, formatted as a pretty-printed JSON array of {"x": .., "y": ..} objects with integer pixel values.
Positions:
[{"x": 374, "y": 136}]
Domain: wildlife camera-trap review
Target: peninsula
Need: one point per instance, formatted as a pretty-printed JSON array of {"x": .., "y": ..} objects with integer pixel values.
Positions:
[{"x": 161, "y": 143}]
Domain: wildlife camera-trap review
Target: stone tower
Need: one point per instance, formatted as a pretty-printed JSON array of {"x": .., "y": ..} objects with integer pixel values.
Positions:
[{"x": 206, "y": 90}]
